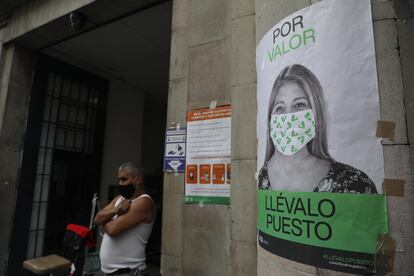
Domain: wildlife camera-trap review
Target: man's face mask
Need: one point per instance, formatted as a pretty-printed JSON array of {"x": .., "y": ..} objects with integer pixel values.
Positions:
[
  {"x": 291, "y": 132},
  {"x": 127, "y": 191}
]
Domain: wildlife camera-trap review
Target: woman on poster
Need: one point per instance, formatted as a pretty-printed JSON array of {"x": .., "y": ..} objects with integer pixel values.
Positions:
[{"x": 297, "y": 156}]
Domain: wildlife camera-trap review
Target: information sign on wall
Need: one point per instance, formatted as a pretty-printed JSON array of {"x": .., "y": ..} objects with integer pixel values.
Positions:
[
  {"x": 208, "y": 163},
  {"x": 174, "y": 157}
]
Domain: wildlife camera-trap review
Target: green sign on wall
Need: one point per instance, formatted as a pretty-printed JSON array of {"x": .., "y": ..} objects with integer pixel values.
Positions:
[{"x": 332, "y": 230}]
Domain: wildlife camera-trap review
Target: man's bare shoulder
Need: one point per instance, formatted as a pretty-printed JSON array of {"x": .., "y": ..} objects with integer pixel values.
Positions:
[
  {"x": 142, "y": 202},
  {"x": 144, "y": 205}
]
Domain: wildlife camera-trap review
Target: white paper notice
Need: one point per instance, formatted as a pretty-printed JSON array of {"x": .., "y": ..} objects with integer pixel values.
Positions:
[{"x": 208, "y": 155}]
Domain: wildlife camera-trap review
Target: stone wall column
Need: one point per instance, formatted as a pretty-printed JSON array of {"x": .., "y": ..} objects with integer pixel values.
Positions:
[
  {"x": 243, "y": 252},
  {"x": 399, "y": 56},
  {"x": 196, "y": 238},
  {"x": 173, "y": 201},
  {"x": 16, "y": 76}
]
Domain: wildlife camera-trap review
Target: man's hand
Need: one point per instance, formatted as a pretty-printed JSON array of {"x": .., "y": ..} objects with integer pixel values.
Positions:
[
  {"x": 107, "y": 213},
  {"x": 123, "y": 207},
  {"x": 142, "y": 210}
]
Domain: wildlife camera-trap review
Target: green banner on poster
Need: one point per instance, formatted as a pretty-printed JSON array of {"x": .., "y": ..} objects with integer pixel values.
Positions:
[
  {"x": 349, "y": 222},
  {"x": 206, "y": 200}
]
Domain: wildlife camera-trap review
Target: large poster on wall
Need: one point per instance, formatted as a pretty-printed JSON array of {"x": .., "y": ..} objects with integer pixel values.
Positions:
[{"x": 320, "y": 166}]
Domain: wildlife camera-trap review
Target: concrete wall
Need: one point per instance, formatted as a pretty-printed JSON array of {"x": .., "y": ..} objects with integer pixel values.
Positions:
[
  {"x": 123, "y": 131},
  {"x": 393, "y": 23},
  {"x": 3, "y": 67},
  {"x": 196, "y": 237},
  {"x": 34, "y": 14},
  {"x": 213, "y": 58},
  {"x": 16, "y": 76},
  {"x": 204, "y": 69},
  {"x": 243, "y": 252},
  {"x": 398, "y": 53}
]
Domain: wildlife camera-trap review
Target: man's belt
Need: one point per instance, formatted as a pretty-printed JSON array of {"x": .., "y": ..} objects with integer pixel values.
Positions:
[{"x": 120, "y": 271}]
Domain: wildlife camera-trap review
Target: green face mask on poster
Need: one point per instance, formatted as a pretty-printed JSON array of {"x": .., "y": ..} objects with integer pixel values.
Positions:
[{"x": 291, "y": 132}]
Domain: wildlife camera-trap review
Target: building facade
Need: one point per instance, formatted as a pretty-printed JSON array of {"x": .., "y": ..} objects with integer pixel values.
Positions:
[{"x": 194, "y": 52}]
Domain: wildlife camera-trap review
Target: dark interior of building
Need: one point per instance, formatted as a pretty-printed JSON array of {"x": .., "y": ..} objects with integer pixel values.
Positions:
[{"x": 98, "y": 99}]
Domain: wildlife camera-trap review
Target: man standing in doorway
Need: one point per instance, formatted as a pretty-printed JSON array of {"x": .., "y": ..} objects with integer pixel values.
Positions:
[{"x": 127, "y": 222}]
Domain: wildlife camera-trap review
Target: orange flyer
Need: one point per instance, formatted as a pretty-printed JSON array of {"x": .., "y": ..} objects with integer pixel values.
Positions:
[
  {"x": 205, "y": 174},
  {"x": 191, "y": 174},
  {"x": 218, "y": 174}
]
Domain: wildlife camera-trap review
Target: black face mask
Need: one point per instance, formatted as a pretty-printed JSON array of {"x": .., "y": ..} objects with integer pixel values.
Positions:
[{"x": 127, "y": 191}]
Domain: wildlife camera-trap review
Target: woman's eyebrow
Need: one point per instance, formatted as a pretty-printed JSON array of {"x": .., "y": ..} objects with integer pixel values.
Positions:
[{"x": 300, "y": 98}]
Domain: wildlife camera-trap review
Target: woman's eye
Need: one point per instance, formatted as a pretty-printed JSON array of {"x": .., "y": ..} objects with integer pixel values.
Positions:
[
  {"x": 279, "y": 109},
  {"x": 301, "y": 105}
]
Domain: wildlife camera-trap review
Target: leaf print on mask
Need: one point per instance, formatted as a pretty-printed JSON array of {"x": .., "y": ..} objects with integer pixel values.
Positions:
[
  {"x": 278, "y": 125},
  {"x": 288, "y": 140},
  {"x": 284, "y": 118},
  {"x": 301, "y": 139},
  {"x": 294, "y": 118},
  {"x": 308, "y": 116},
  {"x": 283, "y": 148},
  {"x": 309, "y": 132},
  {"x": 289, "y": 125},
  {"x": 302, "y": 124},
  {"x": 293, "y": 133},
  {"x": 283, "y": 133},
  {"x": 293, "y": 149},
  {"x": 278, "y": 140}
]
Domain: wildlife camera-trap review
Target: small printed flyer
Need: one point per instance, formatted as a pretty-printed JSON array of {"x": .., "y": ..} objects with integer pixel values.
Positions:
[
  {"x": 208, "y": 162},
  {"x": 174, "y": 156}
]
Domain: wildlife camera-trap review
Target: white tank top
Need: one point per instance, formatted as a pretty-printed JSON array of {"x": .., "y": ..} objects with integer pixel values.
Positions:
[{"x": 128, "y": 248}]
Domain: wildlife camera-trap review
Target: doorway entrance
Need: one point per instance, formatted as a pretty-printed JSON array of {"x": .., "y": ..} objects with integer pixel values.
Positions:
[
  {"x": 61, "y": 159},
  {"x": 130, "y": 56}
]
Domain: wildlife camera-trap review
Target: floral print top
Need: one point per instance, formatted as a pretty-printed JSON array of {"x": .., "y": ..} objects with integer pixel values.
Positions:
[{"x": 341, "y": 178}]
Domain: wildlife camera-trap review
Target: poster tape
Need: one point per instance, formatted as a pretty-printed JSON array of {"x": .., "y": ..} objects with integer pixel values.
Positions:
[
  {"x": 385, "y": 129},
  {"x": 393, "y": 187},
  {"x": 213, "y": 104},
  {"x": 384, "y": 254}
]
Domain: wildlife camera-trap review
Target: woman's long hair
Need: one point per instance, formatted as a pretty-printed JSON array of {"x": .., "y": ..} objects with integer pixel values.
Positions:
[{"x": 310, "y": 85}]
